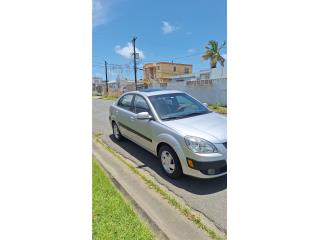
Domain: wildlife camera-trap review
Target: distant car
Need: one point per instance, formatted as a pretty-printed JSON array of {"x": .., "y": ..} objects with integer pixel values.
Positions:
[{"x": 182, "y": 132}]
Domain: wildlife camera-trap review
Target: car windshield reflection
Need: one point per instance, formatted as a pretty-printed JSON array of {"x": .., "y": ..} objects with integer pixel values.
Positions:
[{"x": 177, "y": 106}]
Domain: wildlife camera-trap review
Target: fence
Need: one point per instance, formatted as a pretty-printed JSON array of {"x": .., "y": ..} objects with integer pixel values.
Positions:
[
  {"x": 100, "y": 90},
  {"x": 213, "y": 91},
  {"x": 210, "y": 90}
]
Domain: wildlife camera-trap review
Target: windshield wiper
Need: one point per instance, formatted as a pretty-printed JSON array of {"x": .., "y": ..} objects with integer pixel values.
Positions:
[
  {"x": 170, "y": 118},
  {"x": 184, "y": 116},
  {"x": 193, "y": 114}
]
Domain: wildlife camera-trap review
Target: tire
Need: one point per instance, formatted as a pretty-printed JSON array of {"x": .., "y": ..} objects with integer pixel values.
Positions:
[
  {"x": 170, "y": 162},
  {"x": 116, "y": 132}
]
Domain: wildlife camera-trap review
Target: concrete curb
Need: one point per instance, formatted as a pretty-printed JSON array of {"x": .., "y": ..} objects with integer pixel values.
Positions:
[
  {"x": 139, "y": 210},
  {"x": 206, "y": 220},
  {"x": 162, "y": 218}
]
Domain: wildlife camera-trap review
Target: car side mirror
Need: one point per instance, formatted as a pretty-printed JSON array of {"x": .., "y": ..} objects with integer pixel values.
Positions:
[
  {"x": 143, "y": 116},
  {"x": 205, "y": 104}
]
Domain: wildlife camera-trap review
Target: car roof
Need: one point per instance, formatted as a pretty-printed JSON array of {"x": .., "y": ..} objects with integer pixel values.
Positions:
[{"x": 154, "y": 92}]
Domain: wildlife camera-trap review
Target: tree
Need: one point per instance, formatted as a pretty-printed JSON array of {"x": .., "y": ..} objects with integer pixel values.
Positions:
[{"x": 213, "y": 53}]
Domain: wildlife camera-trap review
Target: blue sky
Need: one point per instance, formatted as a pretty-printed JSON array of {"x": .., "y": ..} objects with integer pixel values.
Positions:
[{"x": 166, "y": 31}]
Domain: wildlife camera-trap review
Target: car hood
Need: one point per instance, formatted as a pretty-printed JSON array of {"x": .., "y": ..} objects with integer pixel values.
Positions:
[{"x": 211, "y": 126}]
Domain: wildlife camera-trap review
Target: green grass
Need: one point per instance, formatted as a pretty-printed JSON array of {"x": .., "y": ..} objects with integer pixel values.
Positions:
[
  {"x": 185, "y": 210},
  {"x": 218, "y": 108},
  {"x": 112, "y": 216},
  {"x": 108, "y": 98}
]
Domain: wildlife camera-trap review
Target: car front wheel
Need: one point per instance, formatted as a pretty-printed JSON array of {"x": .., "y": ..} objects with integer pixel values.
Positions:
[{"x": 170, "y": 162}]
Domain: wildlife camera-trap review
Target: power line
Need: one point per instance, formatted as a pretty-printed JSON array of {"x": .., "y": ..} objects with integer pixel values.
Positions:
[{"x": 173, "y": 58}]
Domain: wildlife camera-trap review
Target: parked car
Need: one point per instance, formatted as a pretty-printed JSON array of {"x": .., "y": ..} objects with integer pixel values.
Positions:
[{"x": 181, "y": 131}]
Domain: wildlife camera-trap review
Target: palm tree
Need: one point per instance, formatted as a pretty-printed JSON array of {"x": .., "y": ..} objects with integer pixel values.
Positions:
[{"x": 213, "y": 53}]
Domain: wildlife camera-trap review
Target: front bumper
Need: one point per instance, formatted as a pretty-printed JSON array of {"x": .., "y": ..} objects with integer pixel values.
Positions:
[
  {"x": 205, "y": 165},
  {"x": 208, "y": 168}
]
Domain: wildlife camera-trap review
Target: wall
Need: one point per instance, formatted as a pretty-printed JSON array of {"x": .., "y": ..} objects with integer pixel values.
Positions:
[
  {"x": 212, "y": 90},
  {"x": 209, "y": 93}
]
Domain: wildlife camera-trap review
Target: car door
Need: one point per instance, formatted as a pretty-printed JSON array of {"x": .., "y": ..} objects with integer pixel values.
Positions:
[
  {"x": 125, "y": 115},
  {"x": 142, "y": 127}
]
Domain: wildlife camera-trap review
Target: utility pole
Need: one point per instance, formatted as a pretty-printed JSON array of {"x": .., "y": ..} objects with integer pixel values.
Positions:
[
  {"x": 106, "y": 69},
  {"x": 135, "y": 61}
]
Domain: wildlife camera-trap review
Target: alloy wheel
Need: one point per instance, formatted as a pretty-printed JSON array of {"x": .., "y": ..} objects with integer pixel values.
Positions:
[{"x": 167, "y": 162}]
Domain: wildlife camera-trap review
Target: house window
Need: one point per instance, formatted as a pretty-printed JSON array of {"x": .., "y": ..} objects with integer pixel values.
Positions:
[
  {"x": 163, "y": 84},
  {"x": 174, "y": 68},
  {"x": 204, "y": 76},
  {"x": 158, "y": 67},
  {"x": 186, "y": 70}
]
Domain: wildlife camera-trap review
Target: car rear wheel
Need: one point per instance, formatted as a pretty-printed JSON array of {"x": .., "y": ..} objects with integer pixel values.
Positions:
[
  {"x": 170, "y": 162},
  {"x": 116, "y": 132}
]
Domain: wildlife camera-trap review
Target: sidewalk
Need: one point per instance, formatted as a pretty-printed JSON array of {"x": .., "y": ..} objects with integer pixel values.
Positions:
[{"x": 164, "y": 219}]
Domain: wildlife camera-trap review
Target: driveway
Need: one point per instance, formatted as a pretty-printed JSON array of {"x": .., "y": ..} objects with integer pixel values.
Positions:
[{"x": 208, "y": 196}]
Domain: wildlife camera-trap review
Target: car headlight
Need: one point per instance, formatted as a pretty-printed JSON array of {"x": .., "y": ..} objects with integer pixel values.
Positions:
[{"x": 199, "y": 145}]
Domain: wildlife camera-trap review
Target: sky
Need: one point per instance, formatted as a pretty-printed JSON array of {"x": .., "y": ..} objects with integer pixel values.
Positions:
[{"x": 166, "y": 30}]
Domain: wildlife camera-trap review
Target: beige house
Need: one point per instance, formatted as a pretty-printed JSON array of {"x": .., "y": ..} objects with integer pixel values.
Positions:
[{"x": 162, "y": 72}]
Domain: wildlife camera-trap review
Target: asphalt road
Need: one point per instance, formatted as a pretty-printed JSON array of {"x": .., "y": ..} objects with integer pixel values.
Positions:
[{"x": 208, "y": 196}]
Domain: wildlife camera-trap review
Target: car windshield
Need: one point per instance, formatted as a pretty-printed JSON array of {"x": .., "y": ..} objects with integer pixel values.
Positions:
[{"x": 176, "y": 106}]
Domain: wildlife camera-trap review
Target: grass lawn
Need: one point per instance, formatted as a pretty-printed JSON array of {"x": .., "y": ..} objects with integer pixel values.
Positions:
[
  {"x": 218, "y": 108},
  {"x": 112, "y": 216}
]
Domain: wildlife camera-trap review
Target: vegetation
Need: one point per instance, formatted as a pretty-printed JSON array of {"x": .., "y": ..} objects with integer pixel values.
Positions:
[
  {"x": 183, "y": 209},
  {"x": 213, "y": 53},
  {"x": 112, "y": 216},
  {"x": 218, "y": 108},
  {"x": 108, "y": 97}
]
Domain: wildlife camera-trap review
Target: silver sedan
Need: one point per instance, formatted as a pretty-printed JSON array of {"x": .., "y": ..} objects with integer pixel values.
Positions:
[{"x": 182, "y": 132}]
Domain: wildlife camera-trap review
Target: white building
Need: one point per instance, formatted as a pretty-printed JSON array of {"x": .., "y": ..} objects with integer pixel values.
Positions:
[{"x": 208, "y": 86}]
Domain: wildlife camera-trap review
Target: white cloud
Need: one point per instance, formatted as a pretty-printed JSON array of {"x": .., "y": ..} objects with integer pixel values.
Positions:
[
  {"x": 127, "y": 51},
  {"x": 167, "y": 27},
  {"x": 190, "y": 50},
  {"x": 100, "y": 12}
]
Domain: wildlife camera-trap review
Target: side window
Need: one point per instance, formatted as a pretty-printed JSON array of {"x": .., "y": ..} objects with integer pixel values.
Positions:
[
  {"x": 140, "y": 105},
  {"x": 125, "y": 102}
]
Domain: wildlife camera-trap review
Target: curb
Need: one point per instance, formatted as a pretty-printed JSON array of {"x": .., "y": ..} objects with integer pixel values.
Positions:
[
  {"x": 137, "y": 208},
  {"x": 205, "y": 219},
  {"x": 165, "y": 219}
]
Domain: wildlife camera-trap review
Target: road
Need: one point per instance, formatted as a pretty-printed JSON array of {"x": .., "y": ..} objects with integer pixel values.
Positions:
[{"x": 208, "y": 196}]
